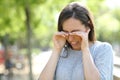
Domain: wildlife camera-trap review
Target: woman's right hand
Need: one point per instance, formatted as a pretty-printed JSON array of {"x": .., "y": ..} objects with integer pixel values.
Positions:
[{"x": 59, "y": 40}]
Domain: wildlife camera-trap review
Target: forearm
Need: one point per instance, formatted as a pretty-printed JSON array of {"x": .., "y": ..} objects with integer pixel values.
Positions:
[
  {"x": 90, "y": 70},
  {"x": 49, "y": 70}
]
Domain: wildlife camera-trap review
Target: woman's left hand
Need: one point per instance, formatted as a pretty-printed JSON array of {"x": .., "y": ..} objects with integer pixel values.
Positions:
[{"x": 84, "y": 38}]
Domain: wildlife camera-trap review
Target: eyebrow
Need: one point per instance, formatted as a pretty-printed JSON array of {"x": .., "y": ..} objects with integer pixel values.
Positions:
[{"x": 71, "y": 31}]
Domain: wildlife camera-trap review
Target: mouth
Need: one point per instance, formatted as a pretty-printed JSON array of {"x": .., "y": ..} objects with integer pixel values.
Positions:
[{"x": 73, "y": 43}]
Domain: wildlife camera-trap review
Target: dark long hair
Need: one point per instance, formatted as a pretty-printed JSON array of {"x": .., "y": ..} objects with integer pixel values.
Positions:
[{"x": 77, "y": 11}]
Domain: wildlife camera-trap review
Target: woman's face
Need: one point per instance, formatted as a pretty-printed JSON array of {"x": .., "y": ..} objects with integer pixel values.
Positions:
[{"x": 74, "y": 25}]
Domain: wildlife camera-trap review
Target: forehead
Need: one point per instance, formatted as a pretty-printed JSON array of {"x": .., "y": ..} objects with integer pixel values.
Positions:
[{"x": 71, "y": 24}]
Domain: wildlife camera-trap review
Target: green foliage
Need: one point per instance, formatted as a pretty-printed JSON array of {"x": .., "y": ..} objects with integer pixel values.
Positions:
[
  {"x": 44, "y": 16},
  {"x": 107, "y": 25}
]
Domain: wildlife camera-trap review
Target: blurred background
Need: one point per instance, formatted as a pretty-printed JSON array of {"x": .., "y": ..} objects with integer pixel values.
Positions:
[{"x": 27, "y": 26}]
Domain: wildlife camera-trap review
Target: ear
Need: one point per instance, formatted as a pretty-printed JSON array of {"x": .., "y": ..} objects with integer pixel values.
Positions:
[{"x": 87, "y": 29}]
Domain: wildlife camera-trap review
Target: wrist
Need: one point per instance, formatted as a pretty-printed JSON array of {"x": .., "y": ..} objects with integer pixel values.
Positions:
[
  {"x": 86, "y": 50},
  {"x": 56, "y": 52}
]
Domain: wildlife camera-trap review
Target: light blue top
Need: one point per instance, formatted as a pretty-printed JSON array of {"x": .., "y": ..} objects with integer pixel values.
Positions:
[{"x": 71, "y": 67}]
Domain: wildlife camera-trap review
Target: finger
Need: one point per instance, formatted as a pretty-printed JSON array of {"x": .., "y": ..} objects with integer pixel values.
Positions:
[
  {"x": 64, "y": 34},
  {"x": 77, "y": 33},
  {"x": 60, "y": 33}
]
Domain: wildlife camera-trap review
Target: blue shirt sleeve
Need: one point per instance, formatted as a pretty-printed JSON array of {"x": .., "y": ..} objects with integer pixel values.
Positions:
[{"x": 104, "y": 61}]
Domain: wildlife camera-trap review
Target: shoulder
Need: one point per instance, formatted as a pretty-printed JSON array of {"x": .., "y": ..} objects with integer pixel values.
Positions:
[
  {"x": 103, "y": 48},
  {"x": 102, "y": 45}
]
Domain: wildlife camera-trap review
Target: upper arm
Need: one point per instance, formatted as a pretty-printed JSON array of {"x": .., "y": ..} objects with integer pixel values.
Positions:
[{"x": 104, "y": 61}]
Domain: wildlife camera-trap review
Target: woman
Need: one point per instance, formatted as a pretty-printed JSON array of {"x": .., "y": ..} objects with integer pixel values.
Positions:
[{"x": 76, "y": 54}]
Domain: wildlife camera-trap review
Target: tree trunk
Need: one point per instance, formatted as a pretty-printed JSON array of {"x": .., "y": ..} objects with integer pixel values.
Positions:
[{"x": 28, "y": 29}]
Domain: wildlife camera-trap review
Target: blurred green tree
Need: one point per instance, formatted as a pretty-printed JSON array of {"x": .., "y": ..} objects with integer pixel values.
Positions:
[{"x": 42, "y": 22}]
